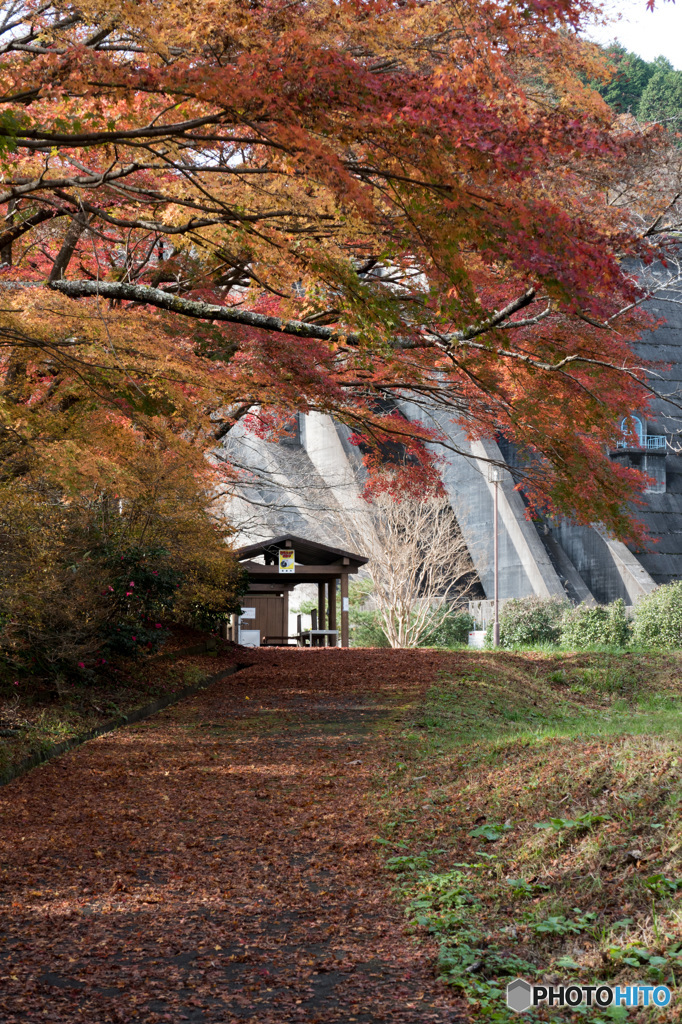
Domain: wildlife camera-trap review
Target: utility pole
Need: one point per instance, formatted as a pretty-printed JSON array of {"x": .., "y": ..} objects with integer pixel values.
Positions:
[{"x": 495, "y": 480}]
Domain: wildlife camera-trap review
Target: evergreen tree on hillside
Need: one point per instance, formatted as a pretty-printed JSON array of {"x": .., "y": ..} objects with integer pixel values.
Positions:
[
  {"x": 662, "y": 99},
  {"x": 631, "y": 76}
]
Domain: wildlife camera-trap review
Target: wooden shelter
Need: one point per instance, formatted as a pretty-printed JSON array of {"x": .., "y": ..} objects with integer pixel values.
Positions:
[{"x": 271, "y": 581}]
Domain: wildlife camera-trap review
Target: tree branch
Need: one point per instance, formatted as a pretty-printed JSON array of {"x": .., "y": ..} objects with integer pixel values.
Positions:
[
  {"x": 25, "y": 138},
  {"x": 17, "y": 230},
  {"x": 198, "y": 310},
  {"x": 301, "y": 329},
  {"x": 497, "y": 318}
]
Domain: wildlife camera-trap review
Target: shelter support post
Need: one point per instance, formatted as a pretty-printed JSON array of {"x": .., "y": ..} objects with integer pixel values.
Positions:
[
  {"x": 345, "y": 632},
  {"x": 285, "y": 615},
  {"x": 331, "y": 601},
  {"x": 321, "y": 615}
]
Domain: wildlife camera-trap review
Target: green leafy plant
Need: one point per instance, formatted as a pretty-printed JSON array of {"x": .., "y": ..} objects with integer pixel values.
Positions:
[
  {"x": 568, "y": 963},
  {"x": 559, "y": 924},
  {"x": 623, "y": 924},
  {"x": 583, "y": 822},
  {"x": 366, "y": 630},
  {"x": 409, "y": 862},
  {"x": 658, "y": 618},
  {"x": 530, "y": 620},
  {"x": 450, "y": 631},
  {"x": 637, "y": 956},
  {"x": 491, "y": 832},
  {"x": 437, "y": 896},
  {"x": 662, "y": 886},
  {"x": 520, "y": 887},
  {"x": 585, "y": 627},
  {"x": 444, "y": 905}
]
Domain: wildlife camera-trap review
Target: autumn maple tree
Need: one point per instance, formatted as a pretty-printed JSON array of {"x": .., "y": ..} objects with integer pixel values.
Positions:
[{"x": 226, "y": 209}]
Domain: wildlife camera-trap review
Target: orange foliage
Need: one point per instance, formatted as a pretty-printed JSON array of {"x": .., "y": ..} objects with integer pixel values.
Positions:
[{"x": 330, "y": 206}]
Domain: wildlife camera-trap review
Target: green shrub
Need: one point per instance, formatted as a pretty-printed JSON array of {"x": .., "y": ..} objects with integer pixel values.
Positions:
[
  {"x": 130, "y": 639},
  {"x": 605, "y": 625},
  {"x": 452, "y": 629},
  {"x": 529, "y": 620},
  {"x": 146, "y": 584},
  {"x": 142, "y": 581},
  {"x": 621, "y": 627},
  {"x": 658, "y": 618},
  {"x": 366, "y": 630}
]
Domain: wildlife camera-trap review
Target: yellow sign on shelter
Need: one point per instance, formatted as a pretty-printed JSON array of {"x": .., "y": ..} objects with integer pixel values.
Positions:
[{"x": 287, "y": 560}]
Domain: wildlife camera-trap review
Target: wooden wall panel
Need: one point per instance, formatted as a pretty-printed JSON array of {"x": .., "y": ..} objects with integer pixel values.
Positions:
[{"x": 269, "y": 614}]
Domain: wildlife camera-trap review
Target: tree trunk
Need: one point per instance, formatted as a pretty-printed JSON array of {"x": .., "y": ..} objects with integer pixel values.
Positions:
[{"x": 75, "y": 230}]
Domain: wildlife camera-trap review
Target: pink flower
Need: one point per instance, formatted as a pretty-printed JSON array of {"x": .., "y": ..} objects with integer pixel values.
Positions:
[
  {"x": 134, "y": 638},
  {"x": 128, "y": 593},
  {"x": 158, "y": 625},
  {"x": 132, "y": 583},
  {"x": 16, "y": 682},
  {"x": 81, "y": 664}
]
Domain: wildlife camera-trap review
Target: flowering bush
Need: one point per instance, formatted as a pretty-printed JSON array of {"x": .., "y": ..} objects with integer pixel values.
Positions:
[
  {"x": 143, "y": 581},
  {"x": 131, "y": 639}
]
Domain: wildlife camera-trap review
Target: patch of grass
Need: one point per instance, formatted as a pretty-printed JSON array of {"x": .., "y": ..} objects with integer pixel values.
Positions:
[
  {"x": 193, "y": 675},
  {"x": 545, "y": 793},
  {"x": 446, "y": 905}
]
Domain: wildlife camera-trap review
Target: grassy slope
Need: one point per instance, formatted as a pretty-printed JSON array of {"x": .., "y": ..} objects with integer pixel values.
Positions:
[{"x": 590, "y": 748}]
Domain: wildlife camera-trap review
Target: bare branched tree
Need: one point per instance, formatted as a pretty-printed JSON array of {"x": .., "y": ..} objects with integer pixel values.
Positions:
[{"x": 419, "y": 563}]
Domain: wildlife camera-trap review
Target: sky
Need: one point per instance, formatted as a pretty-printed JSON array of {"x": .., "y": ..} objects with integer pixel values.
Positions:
[{"x": 646, "y": 33}]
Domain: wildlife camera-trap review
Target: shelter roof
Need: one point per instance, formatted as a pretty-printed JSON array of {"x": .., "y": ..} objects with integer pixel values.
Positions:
[{"x": 307, "y": 552}]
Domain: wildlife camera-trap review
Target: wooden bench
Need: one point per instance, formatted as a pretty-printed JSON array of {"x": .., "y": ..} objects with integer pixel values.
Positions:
[{"x": 279, "y": 641}]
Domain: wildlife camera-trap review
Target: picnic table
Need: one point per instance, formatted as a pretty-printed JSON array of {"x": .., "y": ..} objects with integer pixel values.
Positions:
[{"x": 318, "y": 638}]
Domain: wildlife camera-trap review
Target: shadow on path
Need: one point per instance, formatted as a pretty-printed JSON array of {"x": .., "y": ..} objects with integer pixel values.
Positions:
[{"x": 215, "y": 863}]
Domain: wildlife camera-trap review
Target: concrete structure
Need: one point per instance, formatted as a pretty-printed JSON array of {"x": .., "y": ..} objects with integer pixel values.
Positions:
[{"x": 311, "y": 485}]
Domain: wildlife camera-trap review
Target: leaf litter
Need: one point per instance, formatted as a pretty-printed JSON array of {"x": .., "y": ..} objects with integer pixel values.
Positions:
[{"x": 217, "y": 862}]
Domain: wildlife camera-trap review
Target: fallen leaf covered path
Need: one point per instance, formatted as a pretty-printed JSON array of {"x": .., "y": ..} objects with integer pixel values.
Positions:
[{"x": 215, "y": 863}]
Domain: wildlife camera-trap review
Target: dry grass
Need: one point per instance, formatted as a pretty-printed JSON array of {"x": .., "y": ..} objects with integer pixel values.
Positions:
[{"x": 569, "y": 769}]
